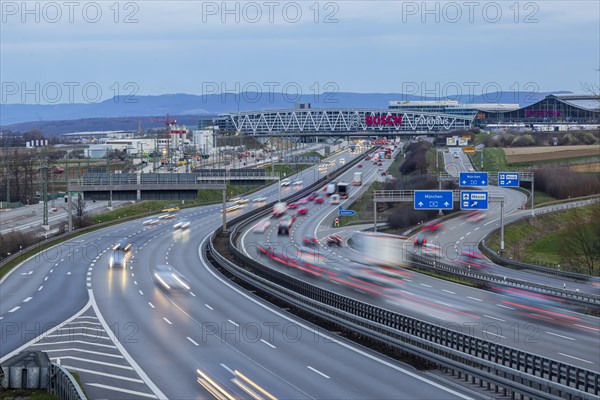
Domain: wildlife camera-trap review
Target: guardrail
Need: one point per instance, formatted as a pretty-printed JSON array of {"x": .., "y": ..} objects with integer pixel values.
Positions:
[
  {"x": 490, "y": 253},
  {"x": 482, "y": 279},
  {"x": 63, "y": 385},
  {"x": 492, "y": 365},
  {"x": 478, "y": 359}
]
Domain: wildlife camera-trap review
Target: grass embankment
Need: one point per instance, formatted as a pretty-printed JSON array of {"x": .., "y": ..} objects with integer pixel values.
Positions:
[
  {"x": 78, "y": 379},
  {"x": 540, "y": 240},
  {"x": 26, "y": 394}
]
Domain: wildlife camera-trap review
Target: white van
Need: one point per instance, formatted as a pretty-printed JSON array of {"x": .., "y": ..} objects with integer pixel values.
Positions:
[{"x": 334, "y": 198}]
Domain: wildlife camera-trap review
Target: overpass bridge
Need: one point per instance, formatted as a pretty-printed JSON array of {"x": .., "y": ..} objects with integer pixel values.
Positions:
[
  {"x": 335, "y": 122},
  {"x": 167, "y": 186}
]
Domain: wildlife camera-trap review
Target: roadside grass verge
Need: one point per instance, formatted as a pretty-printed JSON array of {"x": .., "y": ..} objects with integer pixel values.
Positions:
[{"x": 540, "y": 240}]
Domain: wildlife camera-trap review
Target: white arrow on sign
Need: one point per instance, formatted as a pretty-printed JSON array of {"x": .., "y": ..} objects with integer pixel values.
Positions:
[
  {"x": 464, "y": 182},
  {"x": 420, "y": 204},
  {"x": 446, "y": 204},
  {"x": 507, "y": 182},
  {"x": 483, "y": 182},
  {"x": 474, "y": 204}
]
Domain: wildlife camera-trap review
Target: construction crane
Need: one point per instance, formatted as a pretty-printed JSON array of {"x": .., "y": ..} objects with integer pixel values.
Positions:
[{"x": 168, "y": 123}]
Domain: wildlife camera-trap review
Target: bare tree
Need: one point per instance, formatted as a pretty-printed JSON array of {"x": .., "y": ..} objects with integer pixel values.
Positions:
[
  {"x": 80, "y": 216},
  {"x": 592, "y": 88},
  {"x": 582, "y": 245}
]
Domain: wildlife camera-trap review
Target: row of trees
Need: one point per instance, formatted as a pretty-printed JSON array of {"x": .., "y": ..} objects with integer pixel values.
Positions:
[
  {"x": 542, "y": 139},
  {"x": 564, "y": 183},
  {"x": 581, "y": 249}
]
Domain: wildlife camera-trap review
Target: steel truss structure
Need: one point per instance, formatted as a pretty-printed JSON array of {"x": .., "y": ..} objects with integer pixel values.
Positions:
[{"x": 328, "y": 121}]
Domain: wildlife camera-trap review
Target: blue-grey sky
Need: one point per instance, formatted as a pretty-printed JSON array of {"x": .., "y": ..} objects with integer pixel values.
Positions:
[{"x": 62, "y": 52}]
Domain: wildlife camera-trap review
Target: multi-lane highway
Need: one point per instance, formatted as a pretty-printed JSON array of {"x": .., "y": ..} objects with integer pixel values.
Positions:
[
  {"x": 128, "y": 338},
  {"x": 537, "y": 325}
]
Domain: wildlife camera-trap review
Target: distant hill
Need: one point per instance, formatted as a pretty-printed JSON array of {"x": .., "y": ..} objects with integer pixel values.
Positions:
[{"x": 124, "y": 112}]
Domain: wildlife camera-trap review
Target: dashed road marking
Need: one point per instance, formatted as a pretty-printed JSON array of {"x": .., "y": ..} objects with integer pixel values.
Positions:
[
  {"x": 192, "y": 341},
  {"x": 268, "y": 344},
  {"x": 15, "y": 309},
  {"x": 27, "y": 299},
  {"x": 448, "y": 291},
  {"x": 474, "y": 298},
  {"x": 318, "y": 372},
  {"x": 167, "y": 321}
]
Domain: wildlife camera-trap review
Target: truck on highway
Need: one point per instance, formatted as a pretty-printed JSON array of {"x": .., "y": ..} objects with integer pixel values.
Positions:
[
  {"x": 357, "y": 179},
  {"x": 380, "y": 248},
  {"x": 331, "y": 188},
  {"x": 343, "y": 189},
  {"x": 279, "y": 209}
]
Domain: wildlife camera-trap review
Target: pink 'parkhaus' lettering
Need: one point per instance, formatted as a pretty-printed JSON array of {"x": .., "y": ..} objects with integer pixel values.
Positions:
[
  {"x": 542, "y": 113},
  {"x": 383, "y": 120}
]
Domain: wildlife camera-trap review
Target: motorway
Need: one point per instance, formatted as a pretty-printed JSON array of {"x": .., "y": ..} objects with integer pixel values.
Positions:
[
  {"x": 129, "y": 339},
  {"x": 541, "y": 327}
]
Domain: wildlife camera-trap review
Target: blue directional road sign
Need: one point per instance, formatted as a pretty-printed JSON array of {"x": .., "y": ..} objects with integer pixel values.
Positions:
[
  {"x": 473, "y": 179},
  {"x": 508, "y": 179},
  {"x": 476, "y": 200},
  {"x": 433, "y": 200},
  {"x": 345, "y": 213}
]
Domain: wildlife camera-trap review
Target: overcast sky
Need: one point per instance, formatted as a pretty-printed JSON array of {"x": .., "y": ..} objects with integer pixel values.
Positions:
[{"x": 61, "y": 52}]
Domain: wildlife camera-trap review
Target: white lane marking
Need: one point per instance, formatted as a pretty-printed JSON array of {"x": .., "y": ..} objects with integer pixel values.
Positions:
[
  {"x": 151, "y": 305},
  {"x": 192, "y": 340},
  {"x": 468, "y": 233},
  {"x": 560, "y": 336},
  {"x": 503, "y": 306},
  {"x": 85, "y": 351},
  {"x": 142, "y": 293},
  {"x": 135, "y": 282},
  {"x": 1, "y": 318},
  {"x": 117, "y": 389},
  {"x": 103, "y": 374},
  {"x": 576, "y": 358},
  {"x": 474, "y": 298},
  {"x": 15, "y": 309},
  {"x": 96, "y": 362},
  {"x": 476, "y": 228},
  {"x": 27, "y": 299},
  {"x": 444, "y": 304},
  {"x": 52, "y": 270},
  {"x": 209, "y": 307},
  {"x": 232, "y": 322},
  {"x": 192, "y": 293},
  {"x": 497, "y": 319},
  {"x": 448, "y": 291},
  {"x": 588, "y": 327},
  {"x": 424, "y": 284},
  {"x": 46, "y": 278},
  {"x": 167, "y": 321},
  {"x": 319, "y": 333},
  {"x": 318, "y": 372},
  {"x": 461, "y": 238},
  {"x": 75, "y": 341},
  {"x": 495, "y": 334},
  {"x": 69, "y": 273},
  {"x": 227, "y": 368},
  {"x": 268, "y": 344}
]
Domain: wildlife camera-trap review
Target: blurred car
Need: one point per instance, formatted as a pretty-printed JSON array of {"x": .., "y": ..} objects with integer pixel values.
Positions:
[
  {"x": 297, "y": 183},
  {"x": 420, "y": 239},
  {"x": 151, "y": 221},
  {"x": 166, "y": 216},
  {"x": 312, "y": 196},
  {"x": 433, "y": 226},
  {"x": 122, "y": 245},
  {"x": 181, "y": 225},
  {"x": 293, "y": 205},
  {"x": 359, "y": 166},
  {"x": 319, "y": 200},
  {"x": 472, "y": 254},
  {"x": 334, "y": 240},
  {"x": 475, "y": 216},
  {"x": 262, "y": 226},
  {"x": 260, "y": 199},
  {"x": 119, "y": 259},
  {"x": 310, "y": 241},
  {"x": 286, "y": 182},
  {"x": 302, "y": 211},
  {"x": 169, "y": 279},
  {"x": 383, "y": 173},
  {"x": 379, "y": 163},
  {"x": 285, "y": 226},
  {"x": 170, "y": 209}
]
